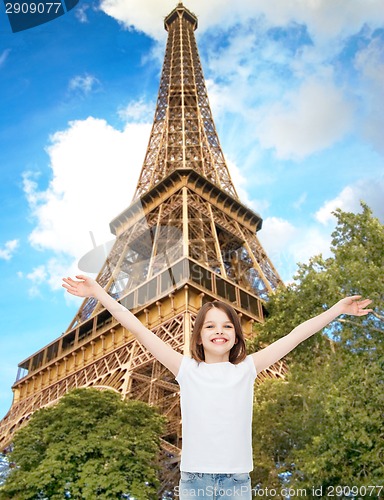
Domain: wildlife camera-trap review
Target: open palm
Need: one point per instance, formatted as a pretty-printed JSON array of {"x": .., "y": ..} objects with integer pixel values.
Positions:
[
  {"x": 84, "y": 288},
  {"x": 354, "y": 307}
]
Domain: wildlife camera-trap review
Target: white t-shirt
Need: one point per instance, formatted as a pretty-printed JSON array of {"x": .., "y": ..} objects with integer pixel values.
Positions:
[{"x": 216, "y": 410}]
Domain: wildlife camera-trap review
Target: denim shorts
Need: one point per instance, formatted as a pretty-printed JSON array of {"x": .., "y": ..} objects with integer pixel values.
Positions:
[{"x": 196, "y": 485}]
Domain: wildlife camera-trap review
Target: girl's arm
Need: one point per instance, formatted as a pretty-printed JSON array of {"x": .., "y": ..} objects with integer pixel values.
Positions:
[
  {"x": 274, "y": 352},
  {"x": 163, "y": 352}
]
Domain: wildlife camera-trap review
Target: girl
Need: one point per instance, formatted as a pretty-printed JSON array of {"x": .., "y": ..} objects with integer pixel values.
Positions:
[{"x": 216, "y": 387}]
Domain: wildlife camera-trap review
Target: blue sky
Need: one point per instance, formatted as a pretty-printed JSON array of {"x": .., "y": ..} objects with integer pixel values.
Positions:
[{"x": 296, "y": 90}]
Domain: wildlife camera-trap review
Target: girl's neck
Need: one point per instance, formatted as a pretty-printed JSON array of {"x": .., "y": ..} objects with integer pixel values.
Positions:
[{"x": 209, "y": 359}]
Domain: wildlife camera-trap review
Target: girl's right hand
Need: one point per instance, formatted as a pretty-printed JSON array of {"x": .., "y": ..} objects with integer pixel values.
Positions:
[{"x": 86, "y": 287}]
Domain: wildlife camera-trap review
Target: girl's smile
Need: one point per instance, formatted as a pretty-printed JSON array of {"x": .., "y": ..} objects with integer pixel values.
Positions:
[{"x": 219, "y": 340}]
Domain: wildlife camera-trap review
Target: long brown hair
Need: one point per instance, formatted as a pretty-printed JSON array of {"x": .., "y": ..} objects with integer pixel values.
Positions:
[{"x": 238, "y": 351}]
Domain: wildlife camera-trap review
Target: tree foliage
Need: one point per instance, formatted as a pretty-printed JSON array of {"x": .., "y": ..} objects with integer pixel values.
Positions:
[
  {"x": 323, "y": 425},
  {"x": 90, "y": 445}
]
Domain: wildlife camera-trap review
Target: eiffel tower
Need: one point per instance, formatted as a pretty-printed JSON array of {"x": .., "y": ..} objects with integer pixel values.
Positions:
[{"x": 185, "y": 239}]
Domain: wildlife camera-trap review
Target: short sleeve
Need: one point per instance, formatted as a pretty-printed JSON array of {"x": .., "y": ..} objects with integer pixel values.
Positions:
[
  {"x": 183, "y": 366},
  {"x": 251, "y": 364}
]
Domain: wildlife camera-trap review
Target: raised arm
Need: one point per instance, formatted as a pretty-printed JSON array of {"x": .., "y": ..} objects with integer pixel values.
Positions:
[
  {"x": 274, "y": 352},
  {"x": 87, "y": 287}
]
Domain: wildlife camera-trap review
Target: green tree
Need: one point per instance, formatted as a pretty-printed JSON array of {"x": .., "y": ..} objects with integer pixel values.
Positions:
[
  {"x": 323, "y": 424},
  {"x": 90, "y": 445},
  {"x": 348, "y": 447}
]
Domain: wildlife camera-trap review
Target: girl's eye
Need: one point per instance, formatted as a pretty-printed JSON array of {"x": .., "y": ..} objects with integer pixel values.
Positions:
[{"x": 228, "y": 326}]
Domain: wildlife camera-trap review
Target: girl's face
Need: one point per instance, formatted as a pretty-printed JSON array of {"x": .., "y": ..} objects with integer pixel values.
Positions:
[{"x": 218, "y": 336}]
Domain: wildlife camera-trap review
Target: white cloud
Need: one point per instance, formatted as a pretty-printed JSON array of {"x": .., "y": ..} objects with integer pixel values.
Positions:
[
  {"x": 38, "y": 275},
  {"x": 141, "y": 15},
  {"x": 314, "y": 118},
  {"x": 311, "y": 241},
  {"x": 81, "y": 13},
  {"x": 94, "y": 173},
  {"x": 276, "y": 233},
  {"x": 83, "y": 83},
  {"x": 325, "y": 18},
  {"x": 50, "y": 275},
  {"x": 57, "y": 268},
  {"x": 370, "y": 63},
  {"x": 300, "y": 201},
  {"x": 4, "y": 56},
  {"x": 6, "y": 253},
  {"x": 137, "y": 111},
  {"x": 371, "y": 191},
  {"x": 287, "y": 245},
  {"x": 276, "y": 236},
  {"x": 241, "y": 184},
  {"x": 291, "y": 103}
]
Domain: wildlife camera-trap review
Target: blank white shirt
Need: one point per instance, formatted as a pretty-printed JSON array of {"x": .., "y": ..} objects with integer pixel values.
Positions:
[{"x": 216, "y": 409}]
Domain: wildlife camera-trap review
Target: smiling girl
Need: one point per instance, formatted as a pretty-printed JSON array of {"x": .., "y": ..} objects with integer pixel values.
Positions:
[{"x": 216, "y": 387}]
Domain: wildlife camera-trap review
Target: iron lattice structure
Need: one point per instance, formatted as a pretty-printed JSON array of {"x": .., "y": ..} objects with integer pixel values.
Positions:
[{"x": 185, "y": 239}]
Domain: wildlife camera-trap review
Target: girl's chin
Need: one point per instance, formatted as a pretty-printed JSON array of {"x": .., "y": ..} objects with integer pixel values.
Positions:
[{"x": 215, "y": 347}]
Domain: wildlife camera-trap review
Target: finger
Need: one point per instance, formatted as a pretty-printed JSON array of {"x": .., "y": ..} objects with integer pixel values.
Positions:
[
  {"x": 70, "y": 290},
  {"x": 362, "y": 307},
  {"x": 364, "y": 312},
  {"x": 354, "y": 297},
  {"x": 81, "y": 277},
  {"x": 72, "y": 282},
  {"x": 365, "y": 302},
  {"x": 68, "y": 286}
]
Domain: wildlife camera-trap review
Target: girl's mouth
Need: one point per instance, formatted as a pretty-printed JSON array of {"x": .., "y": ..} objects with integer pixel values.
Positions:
[{"x": 219, "y": 341}]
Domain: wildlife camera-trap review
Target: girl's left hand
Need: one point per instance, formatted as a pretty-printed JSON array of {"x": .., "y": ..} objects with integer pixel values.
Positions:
[{"x": 353, "y": 306}]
